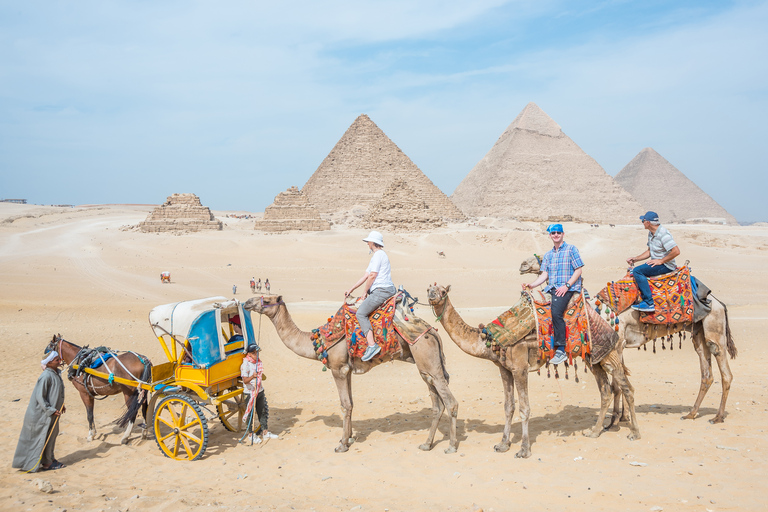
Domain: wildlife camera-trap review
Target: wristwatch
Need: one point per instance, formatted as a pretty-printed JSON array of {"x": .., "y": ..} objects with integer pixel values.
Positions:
[{"x": 567, "y": 285}]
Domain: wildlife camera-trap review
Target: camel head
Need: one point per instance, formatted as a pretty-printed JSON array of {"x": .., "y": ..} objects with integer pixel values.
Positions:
[
  {"x": 264, "y": 305},
  {"x": 437, "y": 293},
  {"x": 531, "y": 265}
]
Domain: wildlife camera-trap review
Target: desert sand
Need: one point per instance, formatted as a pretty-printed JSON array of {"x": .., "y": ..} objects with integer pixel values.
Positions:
[{"x": 83, "y": 273}]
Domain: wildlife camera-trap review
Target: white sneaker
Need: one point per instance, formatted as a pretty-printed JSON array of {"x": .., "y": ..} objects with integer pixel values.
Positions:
[
  {"x": 559, "y": 357},
  {"x": 270, "y": 435},
  {"x": 255, "y": 439}
]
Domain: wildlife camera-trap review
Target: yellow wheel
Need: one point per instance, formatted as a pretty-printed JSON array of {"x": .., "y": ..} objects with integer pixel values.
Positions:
[
  {"x": 232, "y": 411},
  {"x": 181, "y": 430}
]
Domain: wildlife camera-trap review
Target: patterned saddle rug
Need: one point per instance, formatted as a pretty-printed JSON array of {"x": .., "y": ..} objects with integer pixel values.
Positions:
[
  {"x": 586, "y": 332},
  {"x": 672, "y": 297},
  {"x": 344, "y": 324}
]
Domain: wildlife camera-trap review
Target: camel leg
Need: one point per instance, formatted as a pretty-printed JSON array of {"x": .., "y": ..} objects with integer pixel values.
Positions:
[
  {"x": 344, "y": 385},
  {"x": 508, "y": 383},
  {"x": 437, "y": 412},
  {"x": 604, "y": 386},
  {"x": 619, "y": 412},
  {"x": 521, "y": 380},
  {"x": 721, "y": 356},
  {"x": 628, "y": 393},
  {"x": 705, "y": 362}
]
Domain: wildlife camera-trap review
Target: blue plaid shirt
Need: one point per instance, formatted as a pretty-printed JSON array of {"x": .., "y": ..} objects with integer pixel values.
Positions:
[{"x": 560, "y": 264}]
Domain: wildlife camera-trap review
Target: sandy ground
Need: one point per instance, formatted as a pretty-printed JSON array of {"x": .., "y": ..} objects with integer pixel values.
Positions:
[{"x": 79, "y": 273}]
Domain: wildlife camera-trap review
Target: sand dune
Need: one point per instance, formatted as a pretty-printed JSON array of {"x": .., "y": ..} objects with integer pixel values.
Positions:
[{"x": 82, "y": 273}]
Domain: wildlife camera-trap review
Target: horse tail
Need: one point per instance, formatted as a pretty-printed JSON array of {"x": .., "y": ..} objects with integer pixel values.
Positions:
[{"x": 138, "y": 398}]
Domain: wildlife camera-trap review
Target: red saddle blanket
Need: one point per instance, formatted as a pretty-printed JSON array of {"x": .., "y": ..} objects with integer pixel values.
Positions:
[
  {"x": 672, "y": 297},
  {"x": 344, "y": 323},
  {"x": 576, "y": 328}
]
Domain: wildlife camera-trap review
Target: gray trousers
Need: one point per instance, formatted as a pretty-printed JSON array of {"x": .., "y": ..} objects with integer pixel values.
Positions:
[{"x": 377, "y": 297}]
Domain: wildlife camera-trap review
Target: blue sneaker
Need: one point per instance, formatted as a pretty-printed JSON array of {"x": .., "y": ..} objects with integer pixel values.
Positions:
[
  {"x": 559, "y": 357},
  {"x": 370, "y": 352},
  {"x": 645, "y": 306}
]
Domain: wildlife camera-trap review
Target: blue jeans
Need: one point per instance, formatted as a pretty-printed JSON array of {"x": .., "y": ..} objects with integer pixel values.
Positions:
[
  {"x": 641, "y": 273},
  {"x": 376, "y": 298},
  {"x": 559, "y": 305}
]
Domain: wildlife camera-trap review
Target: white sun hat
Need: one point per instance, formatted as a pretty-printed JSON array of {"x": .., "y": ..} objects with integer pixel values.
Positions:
[{"x": 375, "y": 237}]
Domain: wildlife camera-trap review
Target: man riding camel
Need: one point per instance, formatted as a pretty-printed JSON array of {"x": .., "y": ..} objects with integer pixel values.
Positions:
[{"x": 662, "y": 250}]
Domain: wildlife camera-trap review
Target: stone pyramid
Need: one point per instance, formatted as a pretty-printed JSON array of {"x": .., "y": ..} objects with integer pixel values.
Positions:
[
  {"x": 181, "y": 212},
  {"x": 400, "y": 209},
  {"x": 291, "y": 211},
  {"x": 660, "y": 187},
  {"x": 359, "y": 168},
  {"x": 536, "y": 172}
]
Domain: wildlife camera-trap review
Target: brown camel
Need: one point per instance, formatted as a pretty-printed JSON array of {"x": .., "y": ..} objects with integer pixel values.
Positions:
[
  {"x": 426, "y": 353},
  {"x": 521, "y": 358},
  {"x": 711, "y": 336}
]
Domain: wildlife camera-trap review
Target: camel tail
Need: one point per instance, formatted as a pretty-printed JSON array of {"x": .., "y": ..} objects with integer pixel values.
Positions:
[
  {"x": 137, "y": 400},
  {"x": 442, "y": 358},
  {"x": 729, "y": 343}
]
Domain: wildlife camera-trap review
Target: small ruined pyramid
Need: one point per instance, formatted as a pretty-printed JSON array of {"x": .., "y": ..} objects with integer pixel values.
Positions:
[
  {"x": 536, "y": 172},
  {"x": 291, "y": 211},
  {"x": 660, "y": 187},
  {"x": 359, "y": 168},
  {"x": 401, "y": 209},
  {"x": 181, "y": 212}
]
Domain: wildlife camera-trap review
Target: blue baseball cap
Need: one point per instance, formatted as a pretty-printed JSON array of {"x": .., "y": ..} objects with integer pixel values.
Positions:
[
  {"x": 650, "y": 216},
  {"x": 552, "y": 228}
]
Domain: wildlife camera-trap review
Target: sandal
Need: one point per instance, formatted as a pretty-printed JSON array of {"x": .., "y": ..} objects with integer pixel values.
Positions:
[{"x": 54, "y": 466}]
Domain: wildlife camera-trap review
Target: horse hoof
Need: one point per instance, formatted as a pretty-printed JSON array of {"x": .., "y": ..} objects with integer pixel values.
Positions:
[
  {"x": 450, "y": 449},
  {"x": 501, "y": 448},
  {"x": 426, "y": 447},
  {"x": 523, "y": 454}
]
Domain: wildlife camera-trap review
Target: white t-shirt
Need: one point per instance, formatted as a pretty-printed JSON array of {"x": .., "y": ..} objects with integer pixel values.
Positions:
[
  {"x": 380, "y": 264},
  {"x": 249, "y": 369}
]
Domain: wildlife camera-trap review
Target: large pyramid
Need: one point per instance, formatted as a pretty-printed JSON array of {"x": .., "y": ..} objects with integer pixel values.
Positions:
[
  {"x": 536, "y": 172},
  {"x": 361, "y": 166},
  {"x": 659, "y": 186}
]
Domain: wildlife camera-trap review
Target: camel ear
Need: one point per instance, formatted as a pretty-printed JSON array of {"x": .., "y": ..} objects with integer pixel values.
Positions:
[
  {"x": 447, "y": 288},
  {"x": 279, "y": 299}
]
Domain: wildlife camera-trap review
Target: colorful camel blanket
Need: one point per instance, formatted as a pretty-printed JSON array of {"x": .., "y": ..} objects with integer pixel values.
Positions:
[
  {"x": 344, "y": 324},
  {"x": 672, "y": 297},
  {"x": 576, "y": 329},
  {"x": 512, "y": 325}
]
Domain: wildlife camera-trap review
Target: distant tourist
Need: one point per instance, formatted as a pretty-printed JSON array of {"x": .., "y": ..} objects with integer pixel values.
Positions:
[
  {"x": 378, "y": 288},
  {"x": 662, "y": 250},
  {"x": 37, "y": 441},
  {"x": 267, "y": 285},
  {"x": 234, "y": 289},
  {"x": 561, "y": 268}
]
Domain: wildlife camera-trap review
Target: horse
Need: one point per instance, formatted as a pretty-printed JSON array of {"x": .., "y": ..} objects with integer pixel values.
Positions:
[{"x": 127, "y": 365}]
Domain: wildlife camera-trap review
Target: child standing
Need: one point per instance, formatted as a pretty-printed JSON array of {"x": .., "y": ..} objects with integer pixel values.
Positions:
[{"x": 252, "y": 371}]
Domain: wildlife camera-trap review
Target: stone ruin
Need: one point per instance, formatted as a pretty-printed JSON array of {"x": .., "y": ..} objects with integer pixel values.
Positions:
[
  {"x": 291, "y": 211},
  {"x": 181, "y": 212},
  {"x": 401, "y": 209}
]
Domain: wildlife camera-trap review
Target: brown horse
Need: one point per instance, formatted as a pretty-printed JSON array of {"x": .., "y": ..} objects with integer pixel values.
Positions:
[{"x": 127, "y": 365}]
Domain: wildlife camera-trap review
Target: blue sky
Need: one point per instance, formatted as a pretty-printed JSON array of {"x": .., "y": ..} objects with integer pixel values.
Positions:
[{"x": 129, "y": 102}]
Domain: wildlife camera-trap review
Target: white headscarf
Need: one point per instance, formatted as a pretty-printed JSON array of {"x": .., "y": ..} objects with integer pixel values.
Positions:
[{"x": 50, "y": 357}]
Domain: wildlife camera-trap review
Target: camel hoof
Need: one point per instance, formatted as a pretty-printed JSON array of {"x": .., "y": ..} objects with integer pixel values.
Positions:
[
  {"x": 523, "y": 454},
  {"x": 593, "y": 433},
  {"x": 501, "y": 448},
  {"x": 633, "y": 436},
  {"x": 425, "y": 447},
  {"x": 716, "y": 420},
  {"x": 689, "y": 416},
  {"x": 124, "y": 441},
  {"x": 450, "y": 449},
  {"x": 341, "y": 448}
]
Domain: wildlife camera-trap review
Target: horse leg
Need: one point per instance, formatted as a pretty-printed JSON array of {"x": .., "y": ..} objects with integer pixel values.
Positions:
[
  {"x": 508, "y": 383},
  {"x": 145, "y": 427},
  {"x": 343, "y": 382},
  {"x": 88, "y": 402},
  {"x": 127, "y": 393},
  {"x": 705, "y": 362}
]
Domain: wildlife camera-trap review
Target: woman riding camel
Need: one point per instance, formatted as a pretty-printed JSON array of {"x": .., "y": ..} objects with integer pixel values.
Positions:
[{"x": 378, "y": 288}]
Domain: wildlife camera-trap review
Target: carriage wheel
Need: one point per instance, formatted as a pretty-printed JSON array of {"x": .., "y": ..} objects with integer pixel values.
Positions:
[
  {"x": 231, "y": 413},
  {"x": 181, "y": 430}
]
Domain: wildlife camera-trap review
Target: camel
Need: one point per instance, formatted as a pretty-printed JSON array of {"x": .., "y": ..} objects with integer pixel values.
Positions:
[
  {"x": 711, "y": 336},
  {"x": 522, "y": 358},
  {"x": 426, "y": 353}
]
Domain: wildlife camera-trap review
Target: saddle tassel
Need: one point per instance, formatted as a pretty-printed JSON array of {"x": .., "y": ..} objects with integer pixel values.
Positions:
[{"x": 654, "y": 345}]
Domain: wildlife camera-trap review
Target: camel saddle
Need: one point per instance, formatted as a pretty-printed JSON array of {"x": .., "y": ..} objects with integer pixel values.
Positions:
[
  {"x": 672, "y": 297},
  {"x": 393, "y": 315}
]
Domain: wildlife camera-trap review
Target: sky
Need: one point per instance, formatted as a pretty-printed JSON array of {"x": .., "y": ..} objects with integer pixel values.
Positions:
[{"x": 129, "y": 102}]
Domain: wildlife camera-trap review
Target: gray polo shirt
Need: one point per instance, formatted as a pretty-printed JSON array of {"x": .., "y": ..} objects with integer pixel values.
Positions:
[{"x": 660, "y": 243}]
